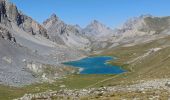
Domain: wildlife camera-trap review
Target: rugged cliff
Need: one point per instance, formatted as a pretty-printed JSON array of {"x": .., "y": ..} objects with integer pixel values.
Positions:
[{"x": 9, "y": 15}]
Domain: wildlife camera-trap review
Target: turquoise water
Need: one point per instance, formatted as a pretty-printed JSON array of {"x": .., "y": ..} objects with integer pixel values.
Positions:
[{"x": 96, "y": 65}]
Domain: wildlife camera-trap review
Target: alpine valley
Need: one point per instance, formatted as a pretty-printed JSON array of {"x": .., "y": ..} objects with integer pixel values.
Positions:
[{"x": 34, "y": 57}]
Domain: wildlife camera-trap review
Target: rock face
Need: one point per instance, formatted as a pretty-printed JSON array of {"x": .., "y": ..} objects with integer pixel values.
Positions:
[
  {"x": 5, "y": 34},
  {"x": 133, "y": 28},
  {"x": 140, "y": 29},
  {"x": 97, "y": 29},
  {"x": 3, "y": 15},
  {"x": 24, "y": 41},
  {"x": 76, "y": 37},
  {"x": 65, "y": 34},
  {"x": 143, "y": 26},
  {"x": 10, "y": 14}
]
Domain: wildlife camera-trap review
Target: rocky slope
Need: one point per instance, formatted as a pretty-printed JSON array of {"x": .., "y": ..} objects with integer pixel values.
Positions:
[
  {"x": 5, "y": 34},
  {"x": 97, "y": 30},
  {"x": 26, "y": 53},
  {"x": 138, "y": 30},
  {"x": 134, "y": 31},
  {"x": 145, "y": 25},
  {"x": 65, "y": 34},
  {"x": 20, "y": 65},
  {"x": 10, "y": 14},
  {"x": 94, "y": 36},
  {"x": 100, "y": 35},
  {"x": 142, "y": 90}
]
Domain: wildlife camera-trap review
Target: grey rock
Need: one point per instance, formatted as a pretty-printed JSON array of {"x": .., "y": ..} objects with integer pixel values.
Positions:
[
  {"x": 10, "y": 14},
  {"x": 65, "y": 34},
  {"x": 97, "y": 29},
  {"x": 5, "y": 34},
  {"x": 23, "y": 41},
  {"x": 167, "y": 84}
]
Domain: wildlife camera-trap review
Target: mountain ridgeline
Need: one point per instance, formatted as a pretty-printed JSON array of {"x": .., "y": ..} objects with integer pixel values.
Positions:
[
  {"x": 65, "y": 34},
  {"x": 11, "y": 15},
  {"x": 29, "y": 50}
]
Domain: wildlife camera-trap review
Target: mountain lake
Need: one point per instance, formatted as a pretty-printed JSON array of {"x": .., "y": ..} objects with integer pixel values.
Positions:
[{"x": 96, "y": 65}]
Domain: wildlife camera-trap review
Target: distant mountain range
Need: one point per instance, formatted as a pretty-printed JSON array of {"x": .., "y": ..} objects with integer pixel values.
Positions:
[
  {"x": 27, "y": 48},
  {"x": 65, "y": 34}
]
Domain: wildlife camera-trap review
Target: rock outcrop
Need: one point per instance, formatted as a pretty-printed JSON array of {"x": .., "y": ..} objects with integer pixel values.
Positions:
[
  {"x": 5, "y": 34},
  {"x": 65, "y": 34},
  {"x": 143, "y": 26},
  {"x": 96, "y": 30},
  {"x": 23, "y": 41},
  {"x": 107, "y": 92},
  {"x": 9, "y": 15}
]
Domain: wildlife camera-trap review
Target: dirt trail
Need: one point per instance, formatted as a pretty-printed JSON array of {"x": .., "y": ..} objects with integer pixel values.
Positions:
[{"x": 103, "y": 81}]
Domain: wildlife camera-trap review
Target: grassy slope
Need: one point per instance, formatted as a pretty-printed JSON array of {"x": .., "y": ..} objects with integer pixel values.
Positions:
[
  {"x": 71, "y": 82},
  {"x": 156, "y": 65}
]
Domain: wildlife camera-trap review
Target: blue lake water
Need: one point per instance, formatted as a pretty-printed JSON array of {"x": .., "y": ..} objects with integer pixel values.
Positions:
[{"x": 96, "y": 65}]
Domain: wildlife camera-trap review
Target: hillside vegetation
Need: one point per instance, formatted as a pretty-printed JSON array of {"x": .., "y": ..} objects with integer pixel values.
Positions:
[{"x": 145, "y": 61}]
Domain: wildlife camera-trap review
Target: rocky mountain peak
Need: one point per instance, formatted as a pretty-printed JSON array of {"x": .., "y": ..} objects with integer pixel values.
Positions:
[
  {"x": 78, "y": 27},
  {"x": 52, "y": 20},
  {"x": 95, "y": 23},
  {"x": 145, "y": 15},
  {"x": 5, "y": 0},
  {"x": 62, "y": 33},
  {"x": 96, "y": 28},
  {"x": 54, "y": 17},
  {"x": 10, "y": 16}
]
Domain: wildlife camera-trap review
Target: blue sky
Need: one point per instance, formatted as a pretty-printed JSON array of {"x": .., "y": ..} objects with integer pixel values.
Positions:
[{"x": 110, "y": 12}]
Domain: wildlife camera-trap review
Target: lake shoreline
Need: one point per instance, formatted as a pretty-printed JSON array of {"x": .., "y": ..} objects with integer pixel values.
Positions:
[{"x": 99, "y": 65}]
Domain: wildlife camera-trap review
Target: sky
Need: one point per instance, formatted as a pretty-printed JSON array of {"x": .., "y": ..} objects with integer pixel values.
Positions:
[{"x": 112, "y": 13}]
